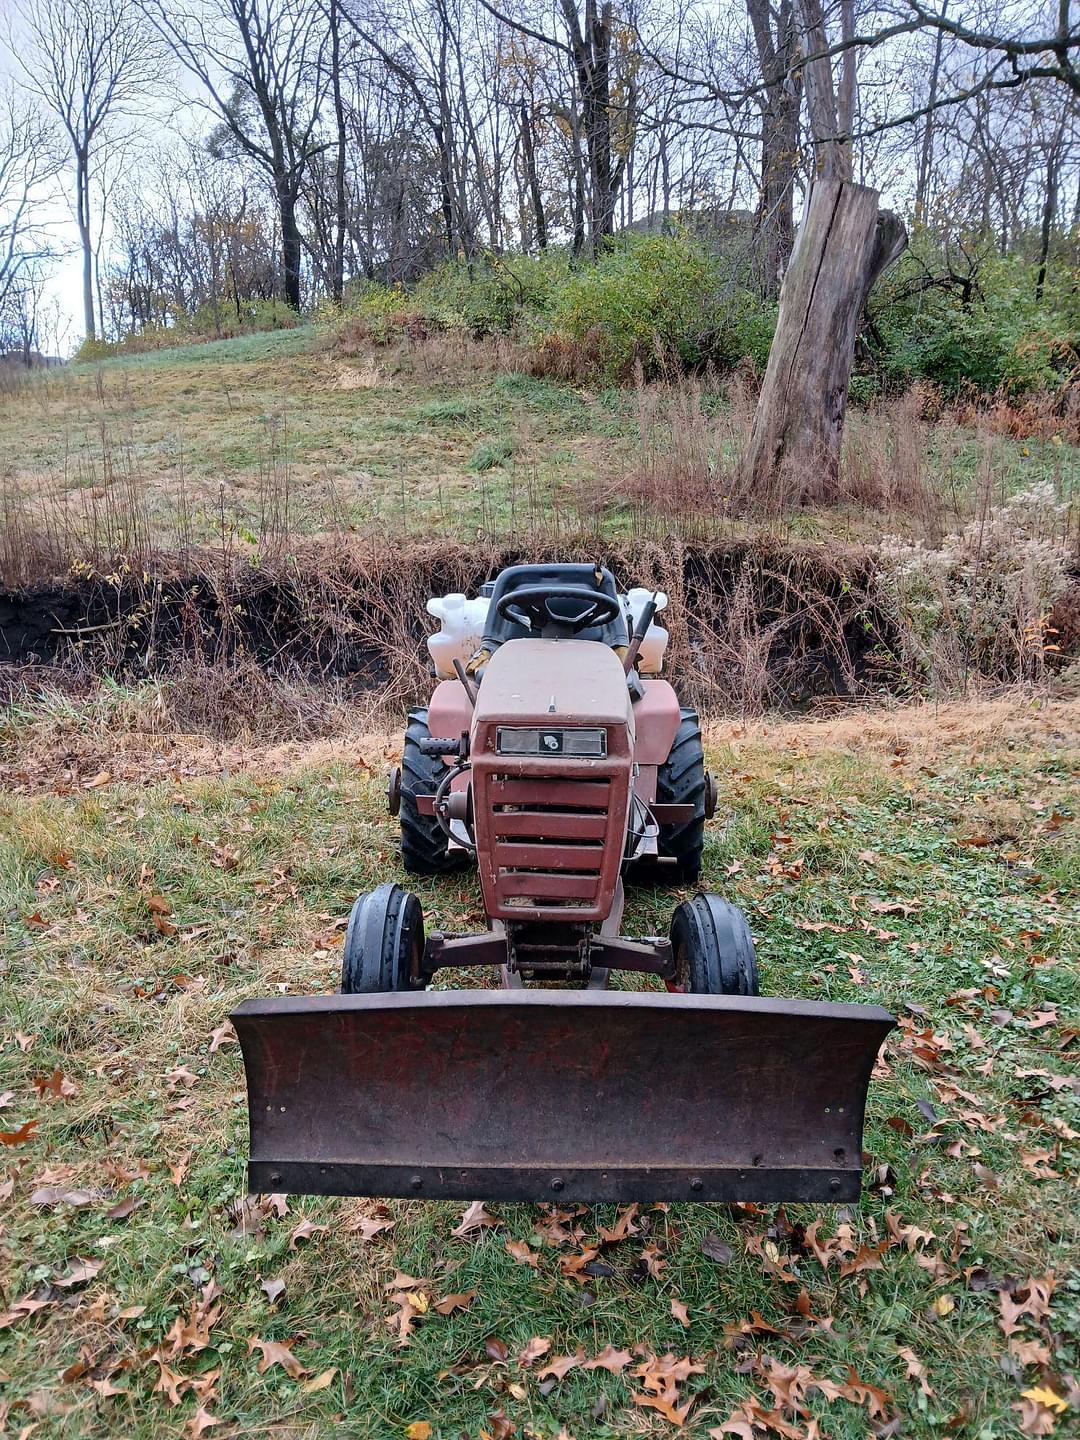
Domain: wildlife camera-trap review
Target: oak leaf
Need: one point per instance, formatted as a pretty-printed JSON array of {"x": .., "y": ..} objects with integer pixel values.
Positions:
[
  {"x": 533, "y": 1349},
  {"x": 562, "y": 1365},
  {"x": 278, "y": 1352},
  {"x": 321, "y": 1382},
  {"x": 915, "y": 1369},
  {"x": 449, "y": 1303},
  {"x": 21, "y": 1135},
  {"x": 304, "y": 1231},
  {"x": 1043, "y": 1395},
  {"x": 522, "y": 1254},
  {"x": 476, "y": 1217},
  {"x": 609, "y": 1359}
]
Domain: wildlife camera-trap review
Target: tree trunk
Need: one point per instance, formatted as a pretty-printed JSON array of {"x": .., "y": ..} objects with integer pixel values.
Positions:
[
  {"x": 290, "y": 246},
  {"x": 82, "y": 216},
  {"x": 774, "y": 223},
  {"x": 842, "y": 247},
  {"x": 337, "y": 275},
  {"x": 1050, "y": 204},
  {"x": 528, "y": 150}
]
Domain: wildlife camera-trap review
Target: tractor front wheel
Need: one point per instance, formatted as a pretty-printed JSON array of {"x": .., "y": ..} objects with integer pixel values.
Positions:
[
  {"x": 713, "y": 948},
  {"x": 384, "y": 943}
]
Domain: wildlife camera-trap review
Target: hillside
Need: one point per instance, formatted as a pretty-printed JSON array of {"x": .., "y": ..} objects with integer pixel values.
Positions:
[{"x": 443, "y": 437}]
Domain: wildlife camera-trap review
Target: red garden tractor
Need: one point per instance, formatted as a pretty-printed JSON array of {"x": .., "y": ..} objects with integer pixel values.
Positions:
[{"x": 558, "y": 769}]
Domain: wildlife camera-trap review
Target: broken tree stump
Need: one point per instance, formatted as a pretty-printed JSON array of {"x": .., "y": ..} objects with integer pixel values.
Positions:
[{"x": 843, "y": 245}]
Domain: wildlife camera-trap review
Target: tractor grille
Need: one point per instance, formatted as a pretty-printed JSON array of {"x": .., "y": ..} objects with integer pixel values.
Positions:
[{"x": 548, "y": 841}]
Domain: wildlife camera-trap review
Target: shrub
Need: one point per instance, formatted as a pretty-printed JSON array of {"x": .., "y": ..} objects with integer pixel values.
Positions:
[
  {"x": 658, "y": 301},
  {"x": 982, "y": 599},
  {"x": 996, "y": 336}
]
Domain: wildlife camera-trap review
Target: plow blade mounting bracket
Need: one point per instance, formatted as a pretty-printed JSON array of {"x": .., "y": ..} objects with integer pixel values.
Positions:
[{"x": 544, "y": 1095}]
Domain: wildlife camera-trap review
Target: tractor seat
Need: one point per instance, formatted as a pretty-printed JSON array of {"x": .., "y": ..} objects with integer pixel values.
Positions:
[{"x": 498, "y": 630}]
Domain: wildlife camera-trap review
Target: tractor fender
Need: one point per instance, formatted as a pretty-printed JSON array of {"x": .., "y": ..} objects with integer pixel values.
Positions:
[
  {"x": 656, "y": 718},
  {"x": 450, "y": 712}
]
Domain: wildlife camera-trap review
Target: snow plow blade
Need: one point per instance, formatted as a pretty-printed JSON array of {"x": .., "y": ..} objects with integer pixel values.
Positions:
[{"x": 542, "y": 1095}]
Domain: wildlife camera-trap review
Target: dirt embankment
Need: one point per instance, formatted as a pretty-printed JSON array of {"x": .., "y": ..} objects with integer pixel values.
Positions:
[{"x": 751, "y": 622}]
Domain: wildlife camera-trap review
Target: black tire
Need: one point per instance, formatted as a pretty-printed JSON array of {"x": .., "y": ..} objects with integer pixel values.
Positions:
[
  {"x": 679, "y": 781},
  {"x": 425, "y": 848},
  {"x": 384, "y": 943},
  {"x": 713, "y": 948}
]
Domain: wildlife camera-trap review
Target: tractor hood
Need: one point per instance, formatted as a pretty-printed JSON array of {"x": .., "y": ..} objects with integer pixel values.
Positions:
[{"x": 555, "y": 683}]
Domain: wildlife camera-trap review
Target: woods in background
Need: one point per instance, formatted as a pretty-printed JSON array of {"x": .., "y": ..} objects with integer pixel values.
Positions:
[{"x": 228, "y": 162}]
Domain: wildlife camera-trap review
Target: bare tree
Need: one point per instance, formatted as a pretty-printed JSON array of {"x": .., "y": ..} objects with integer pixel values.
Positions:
[
  {"x": 89, "y": 61},
  {"x": 29, "y": 162},
  {"x": 260, "y": 64},
  {"x": 589, "y": 43}
]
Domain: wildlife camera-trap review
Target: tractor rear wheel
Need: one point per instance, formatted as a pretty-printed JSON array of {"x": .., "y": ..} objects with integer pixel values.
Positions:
[
  {"x": 425, "y": 846},
  {"x": 384, "y": 943},
  {"x": 713, "y": 948},
  {"x": 681, "y": 780}
]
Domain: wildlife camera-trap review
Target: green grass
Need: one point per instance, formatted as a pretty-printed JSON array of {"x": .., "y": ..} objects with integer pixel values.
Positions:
[
  {"x": 390, "y": 443},
  {"x": 258, "y": 867}
]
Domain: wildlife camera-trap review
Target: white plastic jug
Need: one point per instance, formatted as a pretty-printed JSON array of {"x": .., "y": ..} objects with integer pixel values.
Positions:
[
  {"x": 463, "y": 622},
  {"x": 653, "y": 647}
]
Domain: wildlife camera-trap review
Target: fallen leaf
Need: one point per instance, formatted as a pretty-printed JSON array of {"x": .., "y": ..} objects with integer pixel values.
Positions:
[
  {"x": 321, "y": 1382},
  {"x": 1030, "y": 1352},
  {"x": 915, "y": 1369},
  {"x": 170, "y": 1383},
  {"x": 867, "y": 1257},
  {"x": 200, "y": 1422},
  {"x": 562, "y": 1365},
  {"x": 476, "y": 1217},
  {"x": 610, "y": 1359},
  {"x": 623, "y": 1228},
  {"x": 223, "y": 1035},
  {"x": 304, "y": 1231},
  {"x": 178, "y": 1172},
  {"x": 79, "y": 1274},
  {"x": 533, "y": 1349},
  {"x": 278, "y": 1352},
  {"x": 20, "y": 1136},
  {"x": 943, "y": 1305},
  {"x": 522, "y": 1254},
  {"x": 123, "y": 1208},
  {"x": 496, "y": 1349},
  {"x": 1035, "y": 1419},
  {"x": 105, "y": 1388},
  {"x": 1043, "y": 1395},
  {"x": 367, "y": 1228},
  {"x": 716, "y": 1249},
  {"x": 273, "y": 1289},
  {"x": 418, "y": 1430},
  {"x": 987, "y": 1176},
  {"x": 450, "y": 1303},
  {"x": 50, "y": 1195},
  {"x": 57, "y": 1085},
  {"x": 680, "y": 1313}
]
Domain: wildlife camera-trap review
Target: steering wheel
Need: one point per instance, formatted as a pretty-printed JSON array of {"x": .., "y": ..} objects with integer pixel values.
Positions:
[{"x": 571, "y": 608}]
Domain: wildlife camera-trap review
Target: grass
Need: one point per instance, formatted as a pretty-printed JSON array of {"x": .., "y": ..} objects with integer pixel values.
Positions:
[
  {"x": 927, "y": 860},
  {"x": 400, "y": 441}
]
